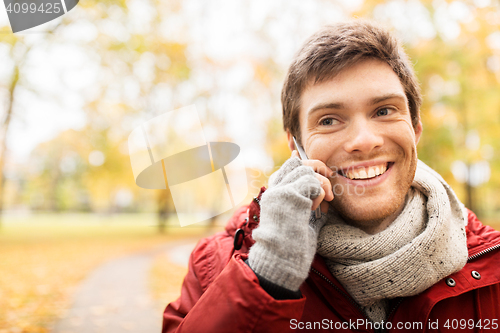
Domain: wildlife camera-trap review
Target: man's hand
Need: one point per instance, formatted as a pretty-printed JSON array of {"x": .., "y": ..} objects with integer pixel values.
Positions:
[
  {"x": 322, "y": 174},
  {"x": 287, "y": 236}
]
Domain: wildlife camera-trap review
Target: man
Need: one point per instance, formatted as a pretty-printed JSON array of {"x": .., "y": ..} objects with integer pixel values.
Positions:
[{"x": 394, "y": 249}]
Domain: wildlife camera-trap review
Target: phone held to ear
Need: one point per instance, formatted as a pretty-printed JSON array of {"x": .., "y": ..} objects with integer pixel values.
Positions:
[{"x": 303, "y": 156}]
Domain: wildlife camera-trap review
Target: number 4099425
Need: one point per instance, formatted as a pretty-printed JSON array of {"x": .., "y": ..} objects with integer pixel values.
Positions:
[{"x": 47, "y": 8}]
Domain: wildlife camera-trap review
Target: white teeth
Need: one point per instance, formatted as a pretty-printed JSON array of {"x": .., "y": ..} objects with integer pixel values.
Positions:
[
  {"x": 371, "y": 172},
  {"x": 364, "y": 173}
]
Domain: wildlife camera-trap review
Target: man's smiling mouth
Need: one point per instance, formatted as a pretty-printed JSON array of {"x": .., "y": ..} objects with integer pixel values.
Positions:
[{"x": 369, "y": 172}]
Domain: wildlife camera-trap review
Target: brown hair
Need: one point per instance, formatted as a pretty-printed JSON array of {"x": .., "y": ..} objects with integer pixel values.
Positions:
[{"x": 336, "y": 47}]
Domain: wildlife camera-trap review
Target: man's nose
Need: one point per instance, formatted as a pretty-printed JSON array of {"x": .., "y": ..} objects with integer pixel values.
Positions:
[{"x": 363, "y": 136}]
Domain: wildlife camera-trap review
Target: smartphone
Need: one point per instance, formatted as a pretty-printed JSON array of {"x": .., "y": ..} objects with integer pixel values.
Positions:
[{"x": 303, "y": 156}]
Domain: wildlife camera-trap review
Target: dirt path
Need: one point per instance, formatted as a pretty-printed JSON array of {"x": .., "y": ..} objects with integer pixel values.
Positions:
[{"x": 115, "y": 297}]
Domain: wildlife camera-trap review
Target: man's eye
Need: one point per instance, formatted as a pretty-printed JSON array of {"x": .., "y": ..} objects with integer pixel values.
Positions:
[
  {"x": 384, "y": 112},
  {"x": 328, "y": 121}
]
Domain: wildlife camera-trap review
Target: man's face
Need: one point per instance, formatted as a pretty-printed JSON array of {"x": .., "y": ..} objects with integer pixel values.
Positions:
[{"x": 359, "y": 125}]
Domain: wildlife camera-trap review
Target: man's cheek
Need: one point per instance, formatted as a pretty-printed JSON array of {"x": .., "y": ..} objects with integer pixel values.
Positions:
[{"x": 407, "y": 127}]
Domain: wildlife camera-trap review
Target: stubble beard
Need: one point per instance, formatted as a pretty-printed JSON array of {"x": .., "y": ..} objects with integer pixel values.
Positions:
[{"x": 357, "y": 213}]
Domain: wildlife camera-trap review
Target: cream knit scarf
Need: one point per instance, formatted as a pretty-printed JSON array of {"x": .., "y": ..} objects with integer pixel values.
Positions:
[{"x": 424, "y": 244}]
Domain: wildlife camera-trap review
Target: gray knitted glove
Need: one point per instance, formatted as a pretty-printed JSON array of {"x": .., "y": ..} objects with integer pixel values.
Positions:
[{"x": 286, "y": 238}]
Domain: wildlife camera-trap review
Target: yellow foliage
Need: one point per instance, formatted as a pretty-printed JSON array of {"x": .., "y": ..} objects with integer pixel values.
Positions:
[
  {"x": 166, "y": 281},
  {"x": 42, "y": 263}
]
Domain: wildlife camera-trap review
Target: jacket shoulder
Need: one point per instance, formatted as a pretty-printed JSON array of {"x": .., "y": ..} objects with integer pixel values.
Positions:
[{"x": 210, "y": 256}]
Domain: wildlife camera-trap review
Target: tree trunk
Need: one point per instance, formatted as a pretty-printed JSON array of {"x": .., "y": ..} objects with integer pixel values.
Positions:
[
  {"x": 4, "y": 132},
  {"x": 164, "y": 209}
]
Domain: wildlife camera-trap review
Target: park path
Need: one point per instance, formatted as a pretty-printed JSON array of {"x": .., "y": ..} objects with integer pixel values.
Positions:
[{"x": 115, "y": 297}]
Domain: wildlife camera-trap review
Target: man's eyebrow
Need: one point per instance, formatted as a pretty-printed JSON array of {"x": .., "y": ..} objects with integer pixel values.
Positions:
[
  {"x": 382, "y": 98},
  {"x": 373, "y": 101},
  {"x": 327, "y": 106}
]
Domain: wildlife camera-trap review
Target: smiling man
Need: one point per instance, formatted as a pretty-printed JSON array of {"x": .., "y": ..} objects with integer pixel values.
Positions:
[
  {"x": 359, "y": 122},
  {"x": 394, "y": 249}
]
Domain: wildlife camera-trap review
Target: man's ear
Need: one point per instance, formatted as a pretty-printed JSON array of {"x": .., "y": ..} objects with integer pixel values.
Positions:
[
  {"x": 418, "y": 131},
  {"x": 291, "y": 144}
]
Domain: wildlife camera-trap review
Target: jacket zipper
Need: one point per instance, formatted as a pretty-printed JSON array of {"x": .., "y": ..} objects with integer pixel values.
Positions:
[
  {"x": 477, "y": 255},
  {"x": 347, "y": 296},
  {"x": 395, "y": 307},
  {"x": 353, "y": 302}
]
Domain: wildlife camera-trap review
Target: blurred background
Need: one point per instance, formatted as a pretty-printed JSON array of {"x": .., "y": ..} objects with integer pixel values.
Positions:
[{"x": 73, "y": 89}]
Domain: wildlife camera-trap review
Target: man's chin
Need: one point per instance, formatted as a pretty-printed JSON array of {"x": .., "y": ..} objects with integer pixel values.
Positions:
[{"x": 365, "y": 216}]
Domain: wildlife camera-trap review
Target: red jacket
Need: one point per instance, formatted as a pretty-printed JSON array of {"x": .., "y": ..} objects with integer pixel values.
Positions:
[{"x": 221, "y": 293}]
